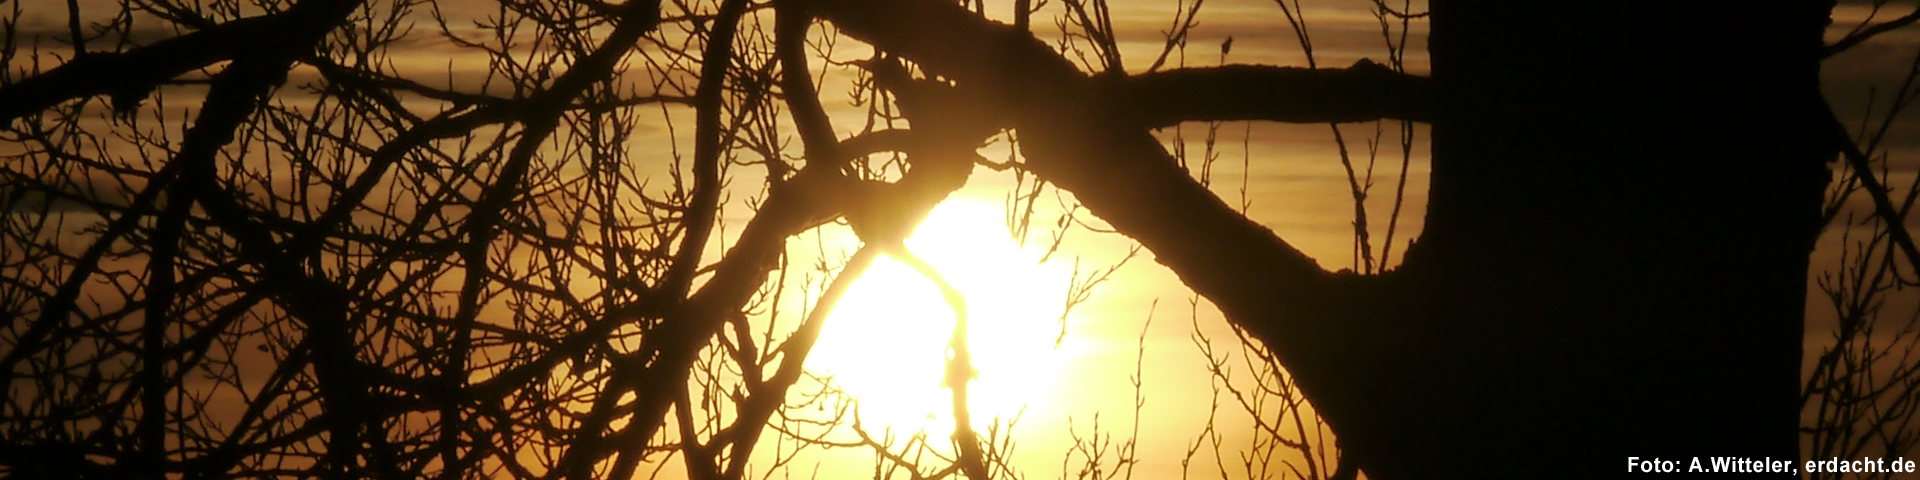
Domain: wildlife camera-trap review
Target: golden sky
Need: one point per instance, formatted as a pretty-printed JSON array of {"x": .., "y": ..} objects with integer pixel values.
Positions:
[{"x": 885, "y": 343}]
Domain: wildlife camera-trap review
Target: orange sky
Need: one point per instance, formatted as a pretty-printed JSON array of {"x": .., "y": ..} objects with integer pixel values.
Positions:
[{"x": 1294, "y": 184}]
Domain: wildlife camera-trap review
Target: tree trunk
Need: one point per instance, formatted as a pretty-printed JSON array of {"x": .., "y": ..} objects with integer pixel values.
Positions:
[
  {"x": 1615, "y": 252},
  {"x": 1615, "y": 255}
]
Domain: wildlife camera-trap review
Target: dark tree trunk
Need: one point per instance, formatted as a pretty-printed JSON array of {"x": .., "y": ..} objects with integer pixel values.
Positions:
[
  {"x": 1615, "y": 253},
  {"x": 1615, "y": 257}
]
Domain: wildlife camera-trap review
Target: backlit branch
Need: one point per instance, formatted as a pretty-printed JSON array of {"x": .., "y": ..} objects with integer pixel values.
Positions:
[
  {"x": 1363, "y": 92},
  {"x": 1074, "y": 139},
  {"x": 1865, "y": 32},
  {"x": 1077, "y": 132},
  {"x": 130, "y": 76},
  {"x": 1895, "y": 217}
]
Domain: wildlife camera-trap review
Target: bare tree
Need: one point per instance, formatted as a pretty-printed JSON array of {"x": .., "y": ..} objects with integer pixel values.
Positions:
[
  {"x": 1861, "y": 394},
  {"x": 257, "y": 239}
]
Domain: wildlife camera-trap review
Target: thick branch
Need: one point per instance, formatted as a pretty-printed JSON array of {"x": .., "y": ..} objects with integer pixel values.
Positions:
[
  {"x": 129, "y": 76},
  {"x": 1083, "y": 135},
  {"x": 232, "y": 98},
  {"x": 704, "y": 205},
  {"x": 796, "y": 81},
  {"x": 770, "y": 395},
  {"x": 1364, "y": 92},
  {"x": 1074, "y": 139},
  {"x": 807, "y": 200},
  {"x": 819, "y": 193}
]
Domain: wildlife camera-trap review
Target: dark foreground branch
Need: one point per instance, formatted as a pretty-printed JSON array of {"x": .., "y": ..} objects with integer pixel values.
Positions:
[
  {"x": 1883, "y": 207},
  {"x": 1079, "y": 133},
  {"x": 1087, "y": 136},
  {"x": 1364, "y": 92},
  {"x": 129, "y": 76}
]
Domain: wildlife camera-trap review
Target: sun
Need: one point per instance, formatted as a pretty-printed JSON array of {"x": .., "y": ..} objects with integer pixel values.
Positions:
[{"x": 885, "y": 343}]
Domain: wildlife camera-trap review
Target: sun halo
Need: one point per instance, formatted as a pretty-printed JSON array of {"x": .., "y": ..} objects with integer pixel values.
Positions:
[{"x": 886, "y": 342}]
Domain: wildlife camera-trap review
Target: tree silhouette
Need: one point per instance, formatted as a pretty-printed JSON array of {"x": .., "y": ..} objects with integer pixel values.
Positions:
[{"x": 331, "y": 263}]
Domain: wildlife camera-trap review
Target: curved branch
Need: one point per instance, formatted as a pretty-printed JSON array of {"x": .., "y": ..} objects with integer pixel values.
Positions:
[
  {"x": 232, "y": 98},
  {"x": 1083, "y": 135},
  {"x": 704, "y": 205},
  {"x": 1075, "y": 138},
  {"x": 1860, "y": 36},
  {"x": 960, "y": 369},
  {"x": 129, "y": 76},
  {"x": 759, "y": 406},
  {"x": 796, "y": 82},
  {"x": 810, "y": 198}
]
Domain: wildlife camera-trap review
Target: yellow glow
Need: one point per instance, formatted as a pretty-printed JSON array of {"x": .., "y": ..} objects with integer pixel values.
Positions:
[{"x": 886, "y": 342}]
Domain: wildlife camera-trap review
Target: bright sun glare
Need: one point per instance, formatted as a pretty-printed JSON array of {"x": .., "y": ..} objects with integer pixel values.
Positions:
[{"x": 886, "y": 342}]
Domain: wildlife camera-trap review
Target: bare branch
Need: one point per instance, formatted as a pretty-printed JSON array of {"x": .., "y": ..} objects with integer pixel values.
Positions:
[
  {"x": 1363, "y": 92},
  {"x": 1860, "y": 36},
  {"x": 1075, "y": 133},
  {"x": 1882, "y": 203},
  {"x": 130, "y": 76}
]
